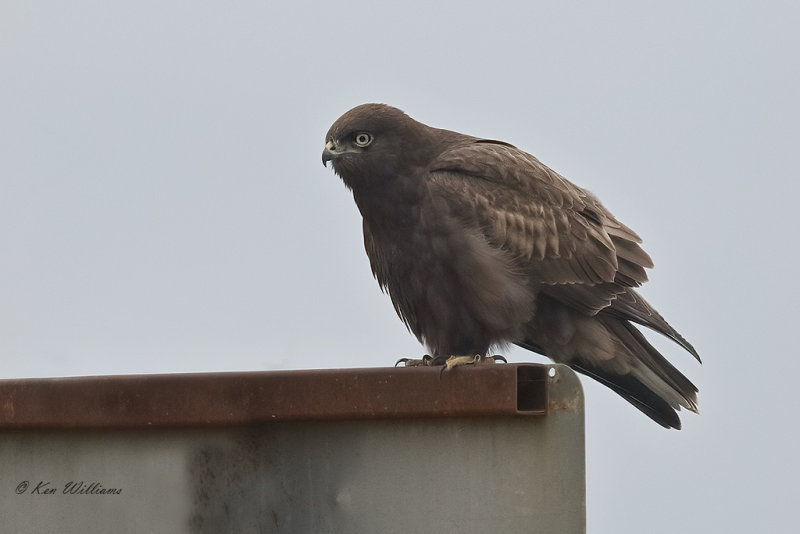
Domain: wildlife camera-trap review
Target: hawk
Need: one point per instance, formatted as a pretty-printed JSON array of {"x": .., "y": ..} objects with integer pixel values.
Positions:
[{"x": 480, "y": 245}]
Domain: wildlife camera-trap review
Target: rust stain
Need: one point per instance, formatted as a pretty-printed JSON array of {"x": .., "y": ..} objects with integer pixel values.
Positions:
[{"x": 217, "y": 399}]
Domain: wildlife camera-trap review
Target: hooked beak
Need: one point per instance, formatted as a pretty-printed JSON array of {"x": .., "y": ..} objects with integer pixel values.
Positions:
[{"x": 328, "y": 153}]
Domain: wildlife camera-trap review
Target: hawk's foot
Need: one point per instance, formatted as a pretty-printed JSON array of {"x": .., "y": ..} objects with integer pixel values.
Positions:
[
  {"x": 425, "y": 361},
  {"x": 456, "y": 361},
  {"x": 448, "y": 363}
]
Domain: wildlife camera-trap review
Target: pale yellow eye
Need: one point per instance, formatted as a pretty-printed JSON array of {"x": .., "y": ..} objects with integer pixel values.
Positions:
[{"x": 363, "y": 139}]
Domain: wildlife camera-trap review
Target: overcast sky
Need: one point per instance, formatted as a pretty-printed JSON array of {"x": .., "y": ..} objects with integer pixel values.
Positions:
[{"x": 163, "y": 207}]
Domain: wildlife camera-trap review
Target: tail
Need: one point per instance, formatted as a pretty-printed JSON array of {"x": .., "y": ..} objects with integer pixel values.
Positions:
[
  {"x": 652, "y": 384},
  {"x": 610, "y": 349}
]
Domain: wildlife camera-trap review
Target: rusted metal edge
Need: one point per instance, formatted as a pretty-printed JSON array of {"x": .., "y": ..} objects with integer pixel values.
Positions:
[{"x": 222, "y": 399}]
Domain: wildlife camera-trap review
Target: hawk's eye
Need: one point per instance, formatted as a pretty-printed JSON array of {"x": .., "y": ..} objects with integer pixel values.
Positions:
[{"x": 363, "y": 139}]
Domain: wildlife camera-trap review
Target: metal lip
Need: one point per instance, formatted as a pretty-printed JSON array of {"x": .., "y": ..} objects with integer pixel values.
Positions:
[{"x": 241, "y": 398}]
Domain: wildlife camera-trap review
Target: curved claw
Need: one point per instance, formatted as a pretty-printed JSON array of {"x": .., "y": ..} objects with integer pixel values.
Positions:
[{"x": 426, "y": 360}]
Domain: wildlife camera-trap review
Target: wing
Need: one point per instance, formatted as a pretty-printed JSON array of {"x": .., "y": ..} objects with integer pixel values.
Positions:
[{"x": 561, "y": 235}]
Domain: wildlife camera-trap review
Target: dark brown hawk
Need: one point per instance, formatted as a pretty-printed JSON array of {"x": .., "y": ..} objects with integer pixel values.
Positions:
[{"x": 479, "y": 245}]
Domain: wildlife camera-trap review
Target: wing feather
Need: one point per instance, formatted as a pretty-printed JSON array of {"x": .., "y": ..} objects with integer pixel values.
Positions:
[{"x": 566, "y": 240}]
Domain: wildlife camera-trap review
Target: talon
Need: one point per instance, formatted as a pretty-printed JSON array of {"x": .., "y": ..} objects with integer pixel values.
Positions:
[
  {"x": 496, "y": 358},
  {"x": 426, "y": 360}
]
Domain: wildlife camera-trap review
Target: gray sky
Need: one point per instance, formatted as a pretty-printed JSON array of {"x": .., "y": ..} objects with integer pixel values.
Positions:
[{"x": 163, "y": 207}]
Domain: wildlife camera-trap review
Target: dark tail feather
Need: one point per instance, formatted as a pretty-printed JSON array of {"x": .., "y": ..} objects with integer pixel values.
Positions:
[
  {"x": 633, "y": 391},
  {"x": 643, "y": 351},
  {"x": 649, "y": 381},
  {"x": 609, "y": 348},
  {"x": 631, "y": 306}
]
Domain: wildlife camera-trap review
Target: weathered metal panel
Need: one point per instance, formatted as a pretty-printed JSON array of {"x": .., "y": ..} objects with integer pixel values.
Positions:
[
  {"x": 306, "y": 474},
  {"x": 245, "y": 398}
]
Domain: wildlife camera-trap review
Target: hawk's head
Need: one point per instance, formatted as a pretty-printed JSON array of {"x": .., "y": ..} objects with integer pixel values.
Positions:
[{"x": 375, "y": 142}]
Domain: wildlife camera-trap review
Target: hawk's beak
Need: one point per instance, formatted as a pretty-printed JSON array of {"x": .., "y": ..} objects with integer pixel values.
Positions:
[{"x": 328, "y": 153}]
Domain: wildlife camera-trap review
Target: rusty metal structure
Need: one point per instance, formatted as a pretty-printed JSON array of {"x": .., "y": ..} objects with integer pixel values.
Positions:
[{"x": 474, "y": 449}]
